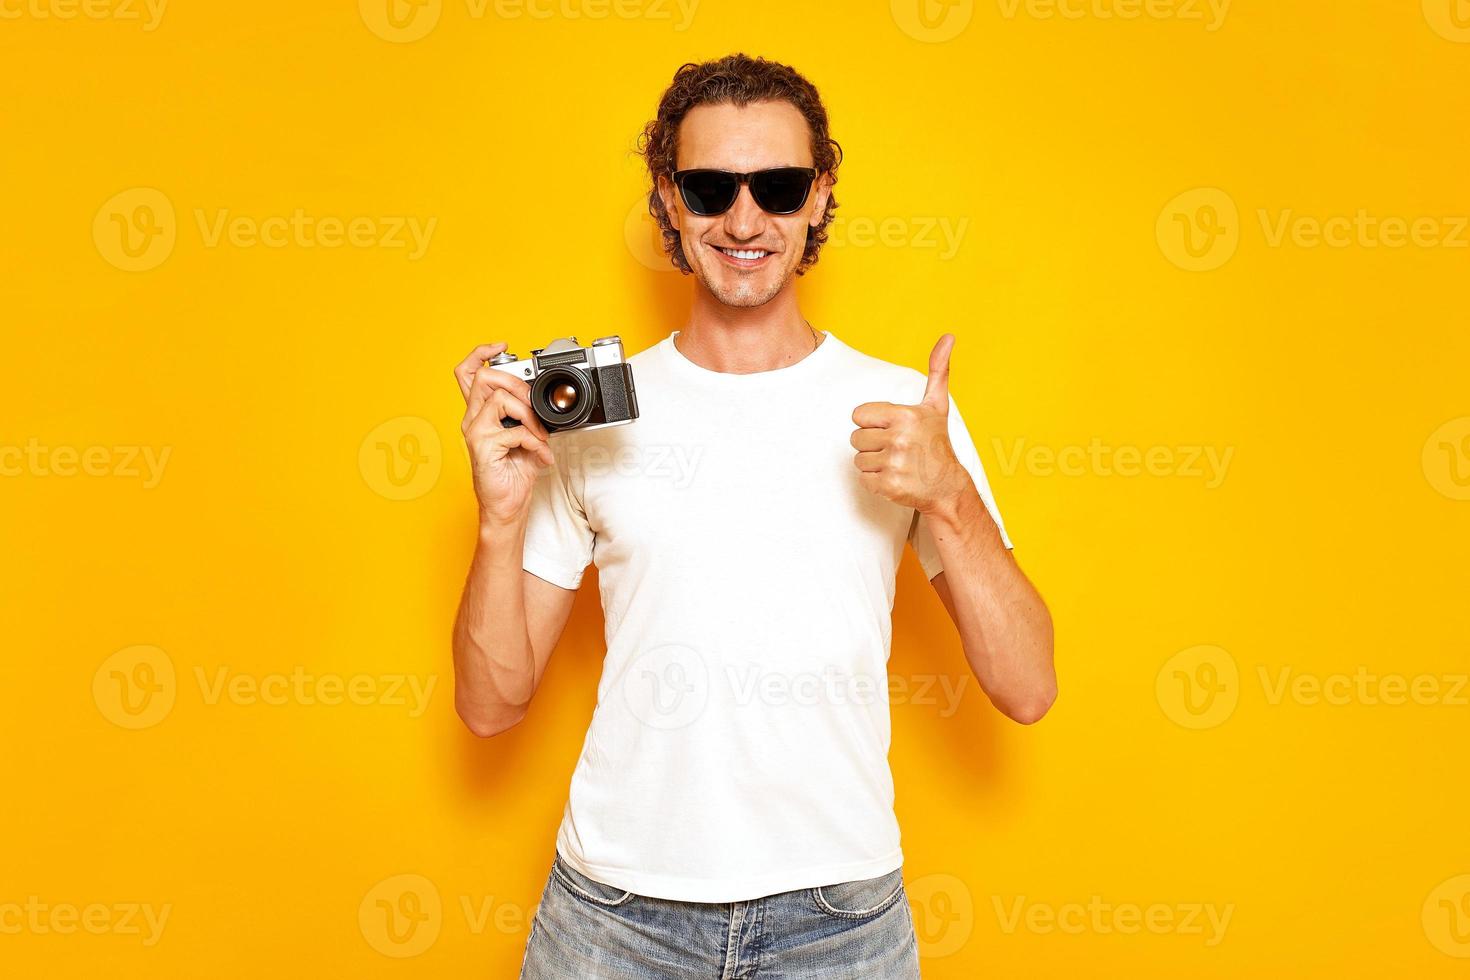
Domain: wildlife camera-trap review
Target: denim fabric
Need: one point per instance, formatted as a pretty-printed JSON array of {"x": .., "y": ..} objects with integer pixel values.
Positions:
[{"x": 592, "y": 931}]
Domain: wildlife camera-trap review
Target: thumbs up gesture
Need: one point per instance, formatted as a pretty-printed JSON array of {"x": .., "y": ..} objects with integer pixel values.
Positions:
[{"x": 903, "y": 451}]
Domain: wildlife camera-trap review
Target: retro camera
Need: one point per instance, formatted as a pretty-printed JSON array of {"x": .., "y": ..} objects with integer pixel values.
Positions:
[{"x": 575, "y": 387}]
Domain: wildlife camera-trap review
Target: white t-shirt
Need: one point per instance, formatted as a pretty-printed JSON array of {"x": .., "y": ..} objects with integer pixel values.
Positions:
[{"x": 740, "y": 742}]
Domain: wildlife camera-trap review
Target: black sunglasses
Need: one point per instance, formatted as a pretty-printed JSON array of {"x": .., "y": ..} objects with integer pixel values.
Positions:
[{"x": 780, "y": 190}]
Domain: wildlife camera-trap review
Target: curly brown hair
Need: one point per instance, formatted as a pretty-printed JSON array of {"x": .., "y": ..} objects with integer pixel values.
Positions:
[{"x": 740, "y": 80}]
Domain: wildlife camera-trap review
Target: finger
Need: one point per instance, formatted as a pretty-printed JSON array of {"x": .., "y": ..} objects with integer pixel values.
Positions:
[
  {"x": 494, "y": 409},
  {"x": 509, "y": 406},
  {"x": 490, "y": 416},
  {"x": 539, "y": 448},
  {"x": 465, "y": 370},
  {"x": 876, "y": 415},
  {"x": 936, "y": 392},
  {"x": 869, "y": 440},
  {"x": 481, "y": 392},
  {"x": 487, "y": 429},
  {"x": 488, "y": 380},
  {"x": 869, "y": 462}
]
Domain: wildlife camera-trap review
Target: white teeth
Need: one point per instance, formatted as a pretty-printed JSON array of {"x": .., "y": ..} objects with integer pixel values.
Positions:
[{"x": 745, "y": 253}]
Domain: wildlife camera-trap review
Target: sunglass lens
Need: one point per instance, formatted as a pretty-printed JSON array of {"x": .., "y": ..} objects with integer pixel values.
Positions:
[
  {"x": 708, "y": 192},
  {"x": 781, "y": 191}
]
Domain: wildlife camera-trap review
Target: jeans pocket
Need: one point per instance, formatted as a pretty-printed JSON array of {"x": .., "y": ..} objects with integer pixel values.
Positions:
[
  {"x": 588, "y": 889},
  {"x": 859, "y": 899}
]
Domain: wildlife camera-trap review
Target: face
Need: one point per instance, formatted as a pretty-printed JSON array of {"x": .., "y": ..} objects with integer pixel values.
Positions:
[{"x": 758, "y": 136}]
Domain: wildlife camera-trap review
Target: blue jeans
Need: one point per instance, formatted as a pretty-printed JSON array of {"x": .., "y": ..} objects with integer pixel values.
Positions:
[{"x": 587, "y": 930}]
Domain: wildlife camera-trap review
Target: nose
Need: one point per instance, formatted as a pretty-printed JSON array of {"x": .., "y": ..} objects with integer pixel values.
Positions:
[{"x": 745, "y": 220}]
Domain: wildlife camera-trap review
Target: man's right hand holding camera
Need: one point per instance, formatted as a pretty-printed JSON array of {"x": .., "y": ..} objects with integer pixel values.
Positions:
[{"x": 506, "y": 460}]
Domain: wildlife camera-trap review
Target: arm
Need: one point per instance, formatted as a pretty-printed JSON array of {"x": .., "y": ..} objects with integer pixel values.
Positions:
[
  {"x": 905, "y": 455},
  {"x": 1002, "y": 621},
  {"x": 508, "y": 623},
  {"x": 509, "y": 620}
]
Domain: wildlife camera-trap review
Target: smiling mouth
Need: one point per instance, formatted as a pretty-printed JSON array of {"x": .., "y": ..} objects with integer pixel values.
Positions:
[{"x": 743, "y": 254}]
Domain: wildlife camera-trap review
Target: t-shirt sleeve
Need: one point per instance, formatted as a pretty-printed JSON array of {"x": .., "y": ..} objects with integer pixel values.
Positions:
[
  {"x": 559, "y": 539},
  {"x": 964, "y": 449}
]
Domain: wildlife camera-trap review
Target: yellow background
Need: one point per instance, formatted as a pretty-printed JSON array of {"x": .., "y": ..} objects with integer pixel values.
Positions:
[{"x": 1053, "y": 149}]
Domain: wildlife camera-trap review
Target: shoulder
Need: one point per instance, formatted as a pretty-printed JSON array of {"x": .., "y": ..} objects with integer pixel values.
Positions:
[
  {"x": 651, "y": 364},
  {"x": 648, "y": 354},
  {"x": 897, "y": 382}
]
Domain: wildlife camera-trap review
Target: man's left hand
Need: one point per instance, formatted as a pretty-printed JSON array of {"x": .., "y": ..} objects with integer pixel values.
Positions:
[{"x": 903, "y": 451}]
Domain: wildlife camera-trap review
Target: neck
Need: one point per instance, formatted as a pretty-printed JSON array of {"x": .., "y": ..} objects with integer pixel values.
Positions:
[{"x": 746, "y": 339}]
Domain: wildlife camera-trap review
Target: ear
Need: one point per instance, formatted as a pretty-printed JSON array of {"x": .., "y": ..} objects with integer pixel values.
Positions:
[
  {"x": 821, "y": 194},
  {"x": 670, "y": 198}
]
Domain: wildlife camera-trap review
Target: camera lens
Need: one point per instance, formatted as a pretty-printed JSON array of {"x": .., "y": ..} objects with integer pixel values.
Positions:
[{"x": 563, "y": 396}]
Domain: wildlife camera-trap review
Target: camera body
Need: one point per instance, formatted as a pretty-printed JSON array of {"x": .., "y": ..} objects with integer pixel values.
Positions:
[{"x": 575, "y": 387}]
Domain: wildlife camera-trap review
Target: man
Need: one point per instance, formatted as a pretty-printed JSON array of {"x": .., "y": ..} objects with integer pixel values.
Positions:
[{"x": 731, "y": 813}]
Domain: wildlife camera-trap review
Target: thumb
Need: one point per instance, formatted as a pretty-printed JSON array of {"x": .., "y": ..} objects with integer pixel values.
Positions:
[{"x": 936, "y": 392}]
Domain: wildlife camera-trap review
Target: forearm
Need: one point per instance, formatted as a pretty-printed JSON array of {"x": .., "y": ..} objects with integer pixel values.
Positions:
[
  {"x": 494, "y": 661},
  {"x": 1002, "y": 621}
]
